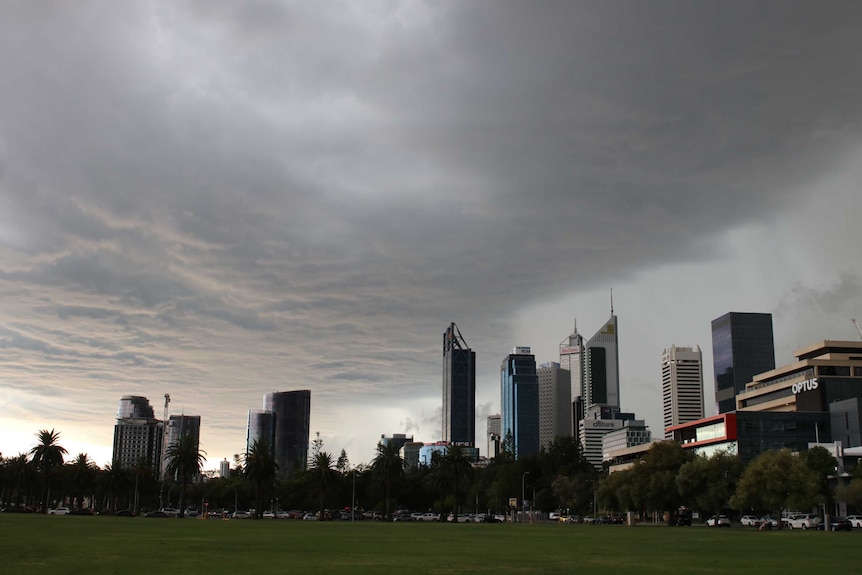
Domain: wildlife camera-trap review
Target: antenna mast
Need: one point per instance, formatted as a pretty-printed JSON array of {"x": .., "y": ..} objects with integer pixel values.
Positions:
[{"x": 859, "y": 329}]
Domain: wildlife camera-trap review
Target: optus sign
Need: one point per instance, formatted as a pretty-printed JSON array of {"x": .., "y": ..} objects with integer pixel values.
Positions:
[{"x": 807, "y": 385}]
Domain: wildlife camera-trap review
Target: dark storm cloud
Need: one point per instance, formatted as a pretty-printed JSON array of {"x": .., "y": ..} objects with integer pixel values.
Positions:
[{"x": 237, "y": 190}]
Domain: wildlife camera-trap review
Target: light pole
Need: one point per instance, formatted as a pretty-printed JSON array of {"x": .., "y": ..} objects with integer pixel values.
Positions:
[{"x": 523, "y": 503}]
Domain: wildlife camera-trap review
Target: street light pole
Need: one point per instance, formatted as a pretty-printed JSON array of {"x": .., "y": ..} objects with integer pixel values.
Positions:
[
  {"x": 523, "y": 503},
  {"x": 353, "y": 501}
]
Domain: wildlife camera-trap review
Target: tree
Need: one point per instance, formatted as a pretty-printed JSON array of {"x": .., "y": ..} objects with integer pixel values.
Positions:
[
  {"x": 822, "y": 464},
  {"x": 47, "y": 456},
  {"x": 82, "y": 477},
  {"x": 261, "y": 469},
  {"x": 343, "y": 465},
  {"x": 185, "y": 461},
  {"x": 114, "y": 481},
  {"x": 141, "y": 470},
  {"x": 773, "y": 481},
  {"x": 708, "y": 483},
  {"x": 458, "y": 467},
  {"x": 321, "y": 469},
  {"x": 387, "y": 466}
]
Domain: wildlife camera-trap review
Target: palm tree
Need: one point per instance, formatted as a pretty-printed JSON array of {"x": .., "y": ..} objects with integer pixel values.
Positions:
[
  {"x": 321, "y": 467},
  {"x": 114, "y": 481},
  {"x": 141, "y": 471},
  {"x": 261, "y": 469},
  {"x": 387, "y": 466},
  {"x": 47, "y": 456},
  {"x": 82, "y": 477},
  {"x": 457, "y": 465},
  {"x": 185, "y": 461}
]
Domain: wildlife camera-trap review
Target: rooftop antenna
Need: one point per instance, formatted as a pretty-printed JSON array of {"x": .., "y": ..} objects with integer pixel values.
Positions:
[{"x": 612, "y": 301}]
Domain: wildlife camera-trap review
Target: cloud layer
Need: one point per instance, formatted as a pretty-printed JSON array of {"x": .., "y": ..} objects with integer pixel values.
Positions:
[{"x": 221, "y": 200}]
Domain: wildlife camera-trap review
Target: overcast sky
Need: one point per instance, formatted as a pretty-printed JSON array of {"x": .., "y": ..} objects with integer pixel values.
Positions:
[{"x": 218, "y": 200}]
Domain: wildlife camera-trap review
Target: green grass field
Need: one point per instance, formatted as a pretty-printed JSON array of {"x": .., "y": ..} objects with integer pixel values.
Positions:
[{"x": 39, "y": 544}]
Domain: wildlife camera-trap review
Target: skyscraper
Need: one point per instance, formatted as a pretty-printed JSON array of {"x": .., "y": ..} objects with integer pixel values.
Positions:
[
  {"x": 572, "y": 360},
  {"x": 459, "y": 389},
  {"x": 176, "y": 427},
  {"x": 601, "y": 381},
  {"x": 494, "y": 435},
  {"x": 292, "y": 410},
  {"x": 137, "y": 434},
  {"x": 742, "y": 347},
  {"x": 681, "y": 386},
  {"x": 261, "y": 427},
  {"x": 519, "y": 396},
  {"x": 555, "y": 403}
]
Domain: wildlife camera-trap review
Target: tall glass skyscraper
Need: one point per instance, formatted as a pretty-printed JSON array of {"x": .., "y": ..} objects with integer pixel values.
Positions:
[
  {"x": 742, "y": 347},
  {"x": 519, "y": 394},
  {"x": 292, "y": 410},
  {"x": 261, "y": 426},
  {"x": 459, "y": 389},
  {"x": 601, "y": 380}
]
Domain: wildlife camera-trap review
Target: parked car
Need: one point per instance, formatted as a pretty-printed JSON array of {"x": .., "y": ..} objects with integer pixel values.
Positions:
[
  {"x": 805, "y": 521},
  {"x": 82, "y": 511},
  {"x": 170, "y": 511},
  {"x": 855, "y": 520},
  {"x": 718, "y": 521},
  {"x": 309, "y": 517},
  {"x": 240, "y": 514},
  {"x": 124, "y": 513},
  {"x": 788, "y": 518},
  {"x": 499, "y": 518},
  {"x": 554, "y": 515},
  {"x": 157, "y": 514},
  {"x": 59, "y": 511},
  {"x": 750, "y": 521},
  {"x": 430, "y": 517},
  {"x": 836, "y": 524},
  {"x": 268, "y": 514}
]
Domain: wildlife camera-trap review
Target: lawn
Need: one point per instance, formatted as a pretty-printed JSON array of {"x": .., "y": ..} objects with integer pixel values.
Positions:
[{"x": 39, "y": 544}]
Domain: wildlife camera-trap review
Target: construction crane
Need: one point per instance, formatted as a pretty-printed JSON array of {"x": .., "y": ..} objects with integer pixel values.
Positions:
[{"x": 858, "y": 328}]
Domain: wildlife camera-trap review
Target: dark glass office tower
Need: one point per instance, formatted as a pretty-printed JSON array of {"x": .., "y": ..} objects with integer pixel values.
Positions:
[
  {"x": 261, "y": 426},
  {"x": 459, "y": 389},
  {"x": 519, "y": 396},
  {"x": 742, "y": 347},
  {"x": 292, "y": 410}
]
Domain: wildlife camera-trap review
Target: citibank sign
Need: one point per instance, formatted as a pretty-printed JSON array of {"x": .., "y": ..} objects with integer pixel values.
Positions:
[{"x": 807, "y": 385}]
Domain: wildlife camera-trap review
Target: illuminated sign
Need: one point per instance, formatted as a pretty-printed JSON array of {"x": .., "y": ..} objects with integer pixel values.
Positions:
[
  {"x": 565, "y": 350},
  {"x": 807, "y": 385},
  {"x": 521, "y": 349}
]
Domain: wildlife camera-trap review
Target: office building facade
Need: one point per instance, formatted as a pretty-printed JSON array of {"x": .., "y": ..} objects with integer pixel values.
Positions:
[
  {"x": 137, "y": 434},
  {"x": 292, "y": 419},
  {"x": 176, "y": 427},
  {"x": 459, "y": 389},
  {"x": 555, "y": 403},
  {"x": 682, "y": 386},
  {"x": 519, "y": 393},
  {"x": 742, "y": 347},
  {"x": 572, "y": 352},
  {"x": 494, "y": 435},
  {"x": 261, "y": 427},
  {"x": 601, "y": 380},
  {"x": 396, "y": 439}
]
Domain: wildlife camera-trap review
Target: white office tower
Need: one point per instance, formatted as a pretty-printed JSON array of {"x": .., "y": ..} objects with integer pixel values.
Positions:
[
  {"x": 601, "y": 381},
  {"x": 681, "y": 386},
  {"x": 572, "y": 360},
  {"x": 555, "y": 403},
  {"x": 634, "y": 432}
]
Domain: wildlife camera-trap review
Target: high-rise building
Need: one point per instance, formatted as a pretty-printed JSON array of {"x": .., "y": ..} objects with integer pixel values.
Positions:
[
  {"x": 137, "y": 434},
  {"x": 178, "y": 426},
  {"x": 396, "y": 439},
  {"x": 681, "y": 386},
  {"x": 459, "y": 389},
  {"x": 519, "y": 395},
  {"x": 555, "y": 403},
  {"x": 292, "y": 410},
  {"x": 224, "y": 468},
  {"x": 261, "y": 427},
  {"x": 494, "y": 435},
  {"x": 742, "y": 347},
  {"x": 572, "y": 360},
  {"x": 601, "y": 380},
  {"x": 634, "y": 432}
]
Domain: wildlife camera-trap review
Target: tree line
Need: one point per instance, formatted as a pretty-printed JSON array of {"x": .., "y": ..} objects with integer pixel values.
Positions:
[{"x": 558, "y": 477}]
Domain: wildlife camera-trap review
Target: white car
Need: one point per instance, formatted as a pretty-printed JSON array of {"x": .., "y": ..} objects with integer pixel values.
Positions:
[
  {"x": 718, "y": 521},
  {"x": 855, "y": 520},
  {"x": 806, "y": 521},
  {"x": 429, "y": 517},
  {"x": 750, "y": 521},
  {"x": 59, "y": 511}
]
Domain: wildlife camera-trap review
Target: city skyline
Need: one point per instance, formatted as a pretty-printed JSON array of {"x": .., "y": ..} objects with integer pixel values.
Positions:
[{"x": 219, "y": 203}]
